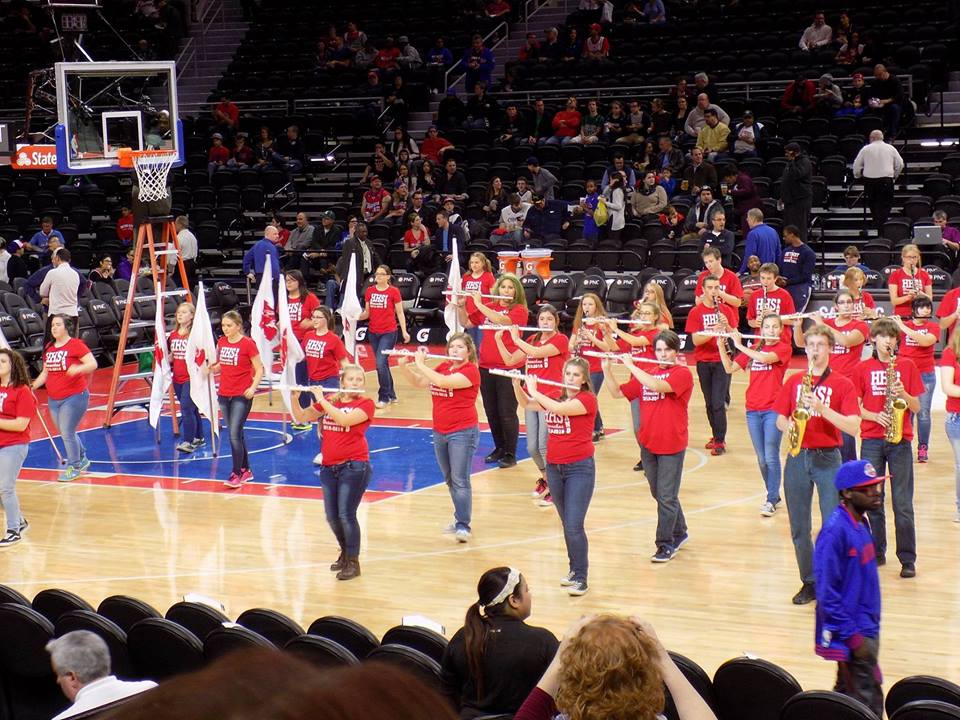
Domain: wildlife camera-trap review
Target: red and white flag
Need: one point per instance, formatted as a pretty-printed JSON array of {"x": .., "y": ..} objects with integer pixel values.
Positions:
[
  {"x": 290, "y": 351},
  {"x": 263, "y": 321},
  {"x": 162, "y": 374},
  {"x": 454, "y": 284},
  {"x": 350, "y": 309},
  {"x": 201, "y": 352}
]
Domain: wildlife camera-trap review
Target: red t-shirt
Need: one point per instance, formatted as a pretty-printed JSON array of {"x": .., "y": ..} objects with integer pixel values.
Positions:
[
  {"x": 483, "y": 284},
  {"x": 844, "y": 360},
  {"x": 638, "y": 351},
  {"x": 549, "y": 368},
  {"x": 905, "y": 283},
  {"x": 663, "y": 416},
  {"x": 489, "y": 353},
  {"x": 866, "y": 301},
  {"x": 872, "y": 387},
  {"x": 342, "y": 444},
  {"x": 455, "y": 409},
  {"x": 729, "y": 283},
  {"x": 570, "y": 437},
  {"x": 374, "y": 200},
  {"x": 323, "y": 355},
  {"x": 765, "y": 379},
  {"x": 577, "y": 348},
  {"x": 702, "y": 317},
  {"x": 910, "y": 349},
  {"x": 56, "y": 360},
  {"x": 16, "y": 401},
  {"x": 382, "y": 305},
  {"x": 777, "y": 301},
  {"x": 948, "y": 306},
  {"x": 949, "y": 359},
  {"x": 178, "y": 356},
  {"x": 836, "y": 392},
  {"x": 236, "y": 365},
  {"x": 302, "y": 309},
  {"x": 125, "y": 228}
]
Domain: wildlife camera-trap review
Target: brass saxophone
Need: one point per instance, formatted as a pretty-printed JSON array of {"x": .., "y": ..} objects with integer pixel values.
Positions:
[
  {"x": 800, "y": 416},
  {"x": 894, "y": 407}
]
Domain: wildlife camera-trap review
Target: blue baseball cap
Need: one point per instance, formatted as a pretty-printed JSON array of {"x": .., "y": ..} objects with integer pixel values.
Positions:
[{"x": 857, "y": 473}]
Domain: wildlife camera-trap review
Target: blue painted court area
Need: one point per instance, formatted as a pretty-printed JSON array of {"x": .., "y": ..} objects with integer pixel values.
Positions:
[{"x": 401, "y": 454}]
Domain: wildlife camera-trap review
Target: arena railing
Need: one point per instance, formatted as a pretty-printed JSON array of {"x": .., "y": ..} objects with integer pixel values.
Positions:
[
  {"x": 501, "y": 32},
  {"x": 212, "y": 13}
]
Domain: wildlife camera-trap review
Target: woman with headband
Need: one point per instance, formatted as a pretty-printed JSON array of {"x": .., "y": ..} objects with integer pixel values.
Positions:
[
  {"x": 324, "y": 356},
  {"x": 918, "y": 338},
  {"x": 494, "y": 661},
  {"x": 571, "y": 471},
  {"x": 453, "y": 385},
  {"x": 544, "y": 352},
  {"x": 345, "y": 472},
  {"x": 590, "y": 333},
  {"x": 767, "y": 362}
]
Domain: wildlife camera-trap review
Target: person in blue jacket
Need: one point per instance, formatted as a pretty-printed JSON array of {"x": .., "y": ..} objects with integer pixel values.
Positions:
[
  {"x": 255, "y": 259},
  {"x": 848, "y": 586}
]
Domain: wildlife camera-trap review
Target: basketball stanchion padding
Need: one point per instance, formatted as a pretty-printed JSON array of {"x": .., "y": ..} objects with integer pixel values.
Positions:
[{"x": 152, "y": 168}]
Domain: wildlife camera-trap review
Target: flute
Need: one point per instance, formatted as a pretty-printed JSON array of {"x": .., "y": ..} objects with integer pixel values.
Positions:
[
  {"x": 521, "y": 328},
  {"x": 618, "y": 321},
  {"x": 719, "y": 334},
  {"x": 411, "y": 353},
  {"x": 517, "y": 375},
  {"x": 311, "y": 388},
  {"x": 620, "y": 356},
  {"x": 464, "y": 293}
]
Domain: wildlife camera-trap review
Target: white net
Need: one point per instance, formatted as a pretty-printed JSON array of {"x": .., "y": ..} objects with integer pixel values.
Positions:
[{"x": 152, "y": 173}]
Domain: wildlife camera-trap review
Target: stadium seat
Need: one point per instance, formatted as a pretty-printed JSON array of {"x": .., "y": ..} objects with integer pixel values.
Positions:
[
  {"x": 112, "y": 635},
  {"x": 52, "y": 603},
  {"x": 320, "y": 652},
  {"x": 345, "y": 632},
  {"x": 752, "y": 689},
  {"x": 413, "y": 661},
  {"x": 125, "y": 611},
  {"x": 927, "y": 710},
  {"x": 697, "y": 677},
  {"x": 198, "y": 618},
  {"x": 28, "y": 684},
  {"x": 9, "y": 595},
  {"x": 274, "y": 626},
  {"x": 430, "y": 299},
  {"x": 160, "y": 649},
  {"x": 921, "y": 687},
  {"x": 821, "y": 704},
  {"x": 430, "y": 643},
  {"x": 230, "y": 638}
]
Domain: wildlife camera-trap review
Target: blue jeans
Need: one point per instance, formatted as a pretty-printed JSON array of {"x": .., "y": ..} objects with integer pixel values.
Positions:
[
  {"x": 809, "y": 469},
  {"x": 898, "y": 460},
  {"x": 11, "y": 460},
  {"x": 476, "y": 334},
  {"x": 571, "y": 485},
  {"x": 343, "y": 488},
  {"x": 536, "y": 423},
  {"x": 379, "y": 343},
  {"x": 762, "y": 425},
  {"x": 332, "y": 289},
  {"x": 66, "y": 416},
  {"x": 596, "y": 380},
  {"x": 455, "y": 453},
  {"x": 635, "y": 416},
  {"x": 663, "y": 475},
  {"x": 923, "y": 417},
  {"x": 952, "y": 428},
  {"x": 189, "y": 415},
  {"x": 235, "y": 411},
  {"x": 848, "y": 451}
]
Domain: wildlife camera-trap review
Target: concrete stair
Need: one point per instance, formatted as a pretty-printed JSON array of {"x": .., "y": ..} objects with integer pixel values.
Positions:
[
  {"x": 213, "y": 50},
  {"x": 951, "y": 105}
]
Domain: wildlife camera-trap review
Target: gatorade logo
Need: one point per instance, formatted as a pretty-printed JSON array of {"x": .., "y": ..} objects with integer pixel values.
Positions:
[
  {"x": 423, "y": 335},
  {"x": 35, "y": 157}
]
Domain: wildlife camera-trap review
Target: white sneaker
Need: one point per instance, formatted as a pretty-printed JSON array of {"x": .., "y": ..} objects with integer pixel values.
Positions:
[
  {"x": 462, "y": 535},
  {"x": 567, "y": 580},
  {"x": 768, "y": 509},
  {"x": 318, "y": 459},
  {"x": 450, "y": 529},
  {"x": 379, "y": 404}
]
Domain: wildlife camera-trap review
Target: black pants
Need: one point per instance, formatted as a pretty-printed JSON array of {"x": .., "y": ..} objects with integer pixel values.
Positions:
[
  {"x": 879, "y": 196},
  {"x": 798, "y": 213},
  {"x": 500, "y": 405},
  {"x": 715, "y": 384},
  {"x": 860, "y": 678}
]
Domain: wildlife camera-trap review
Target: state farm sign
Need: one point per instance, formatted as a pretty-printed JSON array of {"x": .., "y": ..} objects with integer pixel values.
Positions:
[{"x": 35, "y": 157}]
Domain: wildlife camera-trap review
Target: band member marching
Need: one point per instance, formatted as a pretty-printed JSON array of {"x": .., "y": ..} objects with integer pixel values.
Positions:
[
  {"x": 918, "y": 338},
  {"x": 908, "y": 281},
  {"x": 479, "y": 278},
  {"x": 18, "y": 406},
  {"x": 324, "y": 356},
  {"x": 590, "y": 333},
  {"x": 384, "y": 308},
  {"x": 950, "y": 377},
  {"x": 864, "y": 306},
  {"x": 192, "y": 431}
]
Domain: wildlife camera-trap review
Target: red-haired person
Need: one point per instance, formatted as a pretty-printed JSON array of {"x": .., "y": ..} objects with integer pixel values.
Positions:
[
  {"x": 17, "y": 408},
  {"x": 590, "y": 332}
]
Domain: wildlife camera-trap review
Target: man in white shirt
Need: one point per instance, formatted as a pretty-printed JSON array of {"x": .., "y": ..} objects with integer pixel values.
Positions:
[
  {"x": 879, "y": 164},
  {"x": 59, "y": 290},
  {"x": 817, "y": 35},
  {"x": 81, "y": 661},
  {"x": 511, "y": 221},
  {"x": 188, "y": 251}
]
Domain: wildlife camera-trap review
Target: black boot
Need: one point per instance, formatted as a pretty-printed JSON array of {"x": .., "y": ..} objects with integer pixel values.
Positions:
[
  {"x": 494, "y": 456},
  {"x": 340, "y": 563},
  {"x": 351, "y": 569}
]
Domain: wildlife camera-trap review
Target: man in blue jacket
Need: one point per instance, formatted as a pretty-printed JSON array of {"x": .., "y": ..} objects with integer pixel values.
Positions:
[
  {"x": 848, "y": 586},
  {"x": 263, "y": 250}
]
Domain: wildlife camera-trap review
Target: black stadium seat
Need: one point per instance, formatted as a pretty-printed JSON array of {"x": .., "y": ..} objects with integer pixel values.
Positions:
[
  {"x": 819, "y": 704},
  {"x": 430, "y": 643},
  {"x": 112, "y": 635},
  {"x": 348, "y": 633},
  {"x": 161, "y": 648},
  {"x": 274, "y": 626},
  {"x": 198, "y": 618},
  {"x": 126, "y": 611},
  {"x": 53, "y": 603},
  {"x": 320, "y": 652},
  {"x": 227, "y": 639},
  {"x": 752, "y": 689},
  {"x": 413, "y": 661},
  {"x": 927, "y": 710},
  {"x": 921, "y": 687},
  {"x": 28, "y": 683}
]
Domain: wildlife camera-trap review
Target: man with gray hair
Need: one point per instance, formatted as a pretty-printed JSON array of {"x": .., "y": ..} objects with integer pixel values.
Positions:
[
  {"x": 696, "y": 120},
  {"x": 188, "y": 252},
  {"x": 81, "y": 662},
  {"x": 879, "y": 164}
]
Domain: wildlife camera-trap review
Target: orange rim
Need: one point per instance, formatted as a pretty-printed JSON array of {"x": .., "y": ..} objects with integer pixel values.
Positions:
[{"x": 127, "y": 156}]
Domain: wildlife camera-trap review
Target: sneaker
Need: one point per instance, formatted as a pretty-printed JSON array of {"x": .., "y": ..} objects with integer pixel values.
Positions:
[
  {"x": 11, "y": 538},
  {"x": 567, "y": 580},
  {"x": 450, "y": 529},
  {"x": 380, "y": 404},
  {"x": 908, "y": 570},
  {"x": 233, "y": 482},
  {"x": 84, "y": 464},
  {"x": 923, "y": 454},
  {"x": 719, "y": 448},
  {"x": 577, "y": 589},
  {"x": 198, "y": 443},
  {"x": 185, "y": 447},
  {"x": 24, "y": 526},
  {"x": 300, "y": 426},
  {"x": 540, "y": 490},
  {"x": 881, "y": 559},
  {"x": 680, "y": 542},
  {"x": 462, "y": 535},
  {"x": 597, "y": 435},
  {"x": 507, "y": 461},
  {"x": 394, "y": 401},
  {"x": 546, "y": 501},
  {"x": 318, "y": 459},
  {"x": 663, "y": 554},
  {"x": 639, "y": 466},
  {"x": 768, "y": 509},
  {"x": 70, "y": 474},
  {"x": 710, "y": 443},
  {"x": 495, "y": 455},
  {"x": 246, "y": 475},
  {"x": 807, "y": 594}
]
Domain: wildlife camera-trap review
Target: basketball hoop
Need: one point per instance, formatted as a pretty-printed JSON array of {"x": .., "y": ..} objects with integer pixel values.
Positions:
[{"x": 152, "y": 167}]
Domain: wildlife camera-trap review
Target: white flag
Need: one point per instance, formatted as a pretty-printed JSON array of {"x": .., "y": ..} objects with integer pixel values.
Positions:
[
  {"x": 350, "y": 309},
  {"x": 162, "y": 374},
  {"x": 263, "y": 321},
  {"x": 290, "y": 351},
  {"x": 201, "y": 352},
  {"x": 454, "y": 283},
  {"x": 3, "y": 341}
]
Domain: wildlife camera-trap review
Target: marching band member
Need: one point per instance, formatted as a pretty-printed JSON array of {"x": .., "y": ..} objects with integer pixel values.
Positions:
[
  {"x": 544, "y": 352},
  {"x": 479, "y": 278},
  {"x": 770, "y": 298},
  {"x": 192, "y": 429},
  {"x": 731, "y": 291},
  {"x": 345, "y": 472},
  {"x": 885, "y": 407},
  {"x": 767, "y": 362},
  {"x": 653, "y": 293},
  {"x": 17, "y": 408},
  {"x": 324, "y": 355},
  {"x": 384, "y": 309},
  {"x": 917, "y": 343},
  {"x": 950, "y": 377},
  {"x": 454, "y": 385},
  {"x": 300, "y": 306},
  {"x": 664, "y": 394},
  {"x": 590, "y": 333},
  {"x": 571, "y": 471},
  {"x": 864, "y": 306},
  {"x": 813, "y": 408},
  {"x": 908, "y": 281}
]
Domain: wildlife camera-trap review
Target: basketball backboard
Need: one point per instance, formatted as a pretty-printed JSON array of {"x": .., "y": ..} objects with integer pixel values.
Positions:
[{"x": 105, "y": 106}]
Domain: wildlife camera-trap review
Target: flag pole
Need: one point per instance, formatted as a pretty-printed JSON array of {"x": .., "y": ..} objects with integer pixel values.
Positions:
[{"x": 214, "y": 413}]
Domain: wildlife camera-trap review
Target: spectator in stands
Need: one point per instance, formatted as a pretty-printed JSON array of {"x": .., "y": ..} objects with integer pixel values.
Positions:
[
  {"x": 497, "y": 9},
  {"x": 494, "y": 199},
  {"x": 260, "y": 253},
  {"x": 856, "y": 97},
  {"x": 588, "y": 205},
  {"x": 409, "y": 57},
  {"x": 446, "y": 232},
  {"x": 762, "y": 240},
  {"x": 844, "y": 29},
  {"x": 376, "y": 201},
  {"x": 103, "y": 272},
  {"x": 654, "y": 12},
  {"x": 365, "y": 57},
  {"x": 748, "y": 137},
  {"x": 545, "y": 221},
  {"x": 403, "y": 173},
  {"x": 850, "y": 52},
  {"x": 301, "y": 237},
  {"x": 512, "y": 126},
  {"x": 851, "y": 259},
  {"x": 698, "y": 220},
  {"x": 399, "y": 201},
  {"x": 451, "y": 112},
  {"x": 828, "y": 98},
  {"x": 637, "y": 123},
  {"x": 750, "y": 280},
  {"x": 696, "y": 119},
  {"x": 243, "y": 155},
  {"x": 702, "y": 86},
  {"x": 428, "y": 181},
  {"x": 698, "y": 174},
  {"x": 226, "y": 115},
  {"x": 530, "y": 50},
  {"x": 887, "y": 97},
  {"x": 678, "y": 120},
  {"x": 879, "y": 164},
  {"x": 510, "y": 229},
  {"x": 615, "y": 197},
  {"x": 541, "y": 124},
  {"x": 339, "y": 57},
  {"x": 672, "y": 221},
  {"x": 615, "y": 123},
  {"x": 396, "y": 102},
  {"x": 81, "y": 662},
  {"x": 660, "y": 119},
  {"x": 740, "y": 188},
  {"x": 189, "y": 249},
  {"x": 551, "y": 50},
  {"x": 951, "y": 236},
  {"x": 493, "y": 662},
  {"x": 453, "y": 182},
  {"x": 59, "y": 290},
  {"x": 282, "y": 233},
  {"x": 16, "y": 267},
  {"x": 544, "y": 181},
  {"x": 573, "y": 48},
  {"x": 680, "y": 90},
  {"x": 799, "y": 96},
  {"x": 797, "y": 263},
  {"x": 263, "y": 151},
  {"x": 381, "y": 163},
  {"x": 290, "y": 153},
  {"x": 717, "y": 236},
  {"x": 713, "y": 137},
  {"x": 566, "y": 124},
  {"x": 39, "y": 243},
  {"x": 359, "y": 247},
  {"x": 217, "y": 156},
  {"x": 649, "y": 199},
  {"x": 818, "y": 35},
  {"x": 482, "y": 109},
  {"x": 667, "y": 181},
  {"x": 478, "y": 61},
  {"x": 434, "y": 146},
  {"x": 618, "y": 165},
  {"x": 354, "y": 38},
  {"x": 403, "y": 141},
  {"x": 874, "y": 50},
  {"x": 596, "y": 46},
  {"x": 522, "y": 188},
  {"x": 439, "y": 60},
  {"x": 125, "y": 226},
  {"x": 667, "y": 156},
  {"x": 796, "y": 190}
]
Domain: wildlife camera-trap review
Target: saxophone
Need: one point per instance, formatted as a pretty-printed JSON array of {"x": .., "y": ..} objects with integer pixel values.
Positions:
[
  {"x": 894, "y": 407},
  {"x": 800, "y": 416}
]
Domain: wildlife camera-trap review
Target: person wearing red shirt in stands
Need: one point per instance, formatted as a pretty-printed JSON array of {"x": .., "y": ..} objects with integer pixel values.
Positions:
[
  {"x": 831, "y": 402},
  {"x": 125, "y": 226},
  {"x": 950, "y": 377},
  {"x": 384, "y": 309},
  {"x": 226, "y": 113},
  {"x": 731, "y": 291},
  {"x": 566, "y": 124},
  {"x": 499, "y": 400},
  {"x": 300, "y": 306},
  {"x": 894, "y": 457},
  {"x": 712, "y": 315},
  {"x": 571, "y": 471},
  {"x": 218, "y": 156},
  {"x": 918, "y": 339},
  {"x": 664, "y": 392},
  {"x": 544, "y": 353},
  {"x": 433, "y": 146},
  {"x": 17, "y": 408},
  {"x": 66, "y": 363},
  {"x": 479, "y": 279},
  {"x": 908, "y": 281},
  {"x": 454, "y": 386},
  {"x": 769, "y": 299},
  {"x": 346, "y": 472},
  {"x": 191, "y": 430},
  {"x": 240, "y": 369}
]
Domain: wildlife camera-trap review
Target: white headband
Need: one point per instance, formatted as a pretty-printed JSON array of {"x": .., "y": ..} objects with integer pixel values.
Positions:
[{"x": 513, "y": 579}]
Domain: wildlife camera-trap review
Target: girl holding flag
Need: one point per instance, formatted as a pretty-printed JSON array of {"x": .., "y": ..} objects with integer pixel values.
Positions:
[
  {"x": 189, "y": 414},
  {"x": 300, "y": 306},
  {"x": 325, "y": 355}
]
